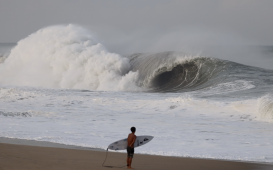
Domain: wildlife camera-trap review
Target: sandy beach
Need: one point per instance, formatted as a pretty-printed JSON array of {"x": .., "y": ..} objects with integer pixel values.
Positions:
[{"x": 32, "y": 155}]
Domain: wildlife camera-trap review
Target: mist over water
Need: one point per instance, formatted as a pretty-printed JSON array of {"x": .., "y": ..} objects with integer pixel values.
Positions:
[{"x": 209, "y": 42}]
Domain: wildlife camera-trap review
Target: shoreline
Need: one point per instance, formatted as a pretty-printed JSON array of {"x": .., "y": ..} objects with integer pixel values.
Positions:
[
  {"x": 27, "y": 142},
  {"x": 30, "y": 154}
]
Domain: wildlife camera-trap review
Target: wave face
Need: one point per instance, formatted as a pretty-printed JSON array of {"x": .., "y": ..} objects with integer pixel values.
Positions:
[
  {"x": 176, "y": 72},
  {"x": 180, "y": 72}
]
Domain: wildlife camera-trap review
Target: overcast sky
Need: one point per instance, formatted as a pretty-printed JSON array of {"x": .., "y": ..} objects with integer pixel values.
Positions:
[{"x": 145, "y": 23}]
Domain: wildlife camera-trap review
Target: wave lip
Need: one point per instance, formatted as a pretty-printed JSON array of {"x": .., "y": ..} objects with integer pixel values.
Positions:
[{"x": 176, "y": 72}]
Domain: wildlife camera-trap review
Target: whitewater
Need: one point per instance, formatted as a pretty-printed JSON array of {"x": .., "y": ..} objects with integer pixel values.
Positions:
[{"x": 61, "y": 85}]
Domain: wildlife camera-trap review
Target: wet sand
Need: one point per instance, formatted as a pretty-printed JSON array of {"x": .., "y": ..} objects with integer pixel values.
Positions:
[{"x": 26, "y": 155}]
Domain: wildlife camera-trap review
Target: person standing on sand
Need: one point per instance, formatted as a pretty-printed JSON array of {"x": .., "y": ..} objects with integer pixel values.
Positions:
[{"x": 130, "y": 147}]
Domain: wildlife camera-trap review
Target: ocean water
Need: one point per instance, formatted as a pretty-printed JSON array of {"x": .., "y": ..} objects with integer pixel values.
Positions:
[{"x": 60, "y": 85}]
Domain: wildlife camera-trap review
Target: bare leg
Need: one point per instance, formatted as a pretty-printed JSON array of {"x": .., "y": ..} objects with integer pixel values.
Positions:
[
  {"x": 127, "y": 161},
  {"x": 130, "y": 162}
]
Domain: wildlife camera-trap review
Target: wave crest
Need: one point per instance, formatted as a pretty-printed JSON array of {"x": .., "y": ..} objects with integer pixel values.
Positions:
[{"x": 66, "y": 57}]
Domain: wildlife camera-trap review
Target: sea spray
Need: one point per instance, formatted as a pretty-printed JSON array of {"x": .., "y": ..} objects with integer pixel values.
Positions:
[
  {"x": 265, "y": 108},
  {"x": 3, "y": 57},
  {"x": 66, "y": 56}
]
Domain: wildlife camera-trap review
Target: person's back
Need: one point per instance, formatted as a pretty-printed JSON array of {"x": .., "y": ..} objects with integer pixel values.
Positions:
[
  {"x": 131, "y": 140},
  {"x": 130, "y": 148}
]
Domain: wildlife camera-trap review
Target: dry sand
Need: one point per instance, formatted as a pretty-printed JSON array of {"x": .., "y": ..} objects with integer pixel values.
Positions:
[{"x": 25, "y": 157}]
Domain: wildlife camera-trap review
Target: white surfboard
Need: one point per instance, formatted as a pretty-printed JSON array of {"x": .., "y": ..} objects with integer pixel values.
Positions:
[{"x": 122, "y": 144}]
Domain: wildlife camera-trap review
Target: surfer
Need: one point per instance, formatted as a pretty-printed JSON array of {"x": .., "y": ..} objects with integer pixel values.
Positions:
[{"x": 130, "y": 147}]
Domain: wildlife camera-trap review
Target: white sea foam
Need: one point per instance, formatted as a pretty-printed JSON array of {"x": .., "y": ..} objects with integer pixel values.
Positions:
[
  {"x": 265, "y": 108},
  {"x": 66, "y": 57},
  {"x": 2, "y": 58},
  {"x": 182, "y": 124},
  {"x": 229, "y": 87}
]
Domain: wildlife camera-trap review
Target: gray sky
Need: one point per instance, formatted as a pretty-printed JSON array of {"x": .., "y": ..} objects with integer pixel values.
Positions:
[{"x": 145, "y": 24}]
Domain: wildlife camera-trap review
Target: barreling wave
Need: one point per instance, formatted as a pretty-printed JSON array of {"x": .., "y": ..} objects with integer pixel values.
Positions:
[
  {"x": 176, "y": 72},
  {"x": 67, "y": 56}
]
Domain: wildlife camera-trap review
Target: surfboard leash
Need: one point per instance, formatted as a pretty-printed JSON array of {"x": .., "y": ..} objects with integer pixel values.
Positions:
[{"x": 110, "y": 166}]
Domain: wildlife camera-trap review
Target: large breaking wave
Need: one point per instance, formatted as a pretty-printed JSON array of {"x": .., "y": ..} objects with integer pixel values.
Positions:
[
  {"x": 176, "y": 72},
  {"x": 69, "y": 57},
  {"x": 66, "y": 57}
]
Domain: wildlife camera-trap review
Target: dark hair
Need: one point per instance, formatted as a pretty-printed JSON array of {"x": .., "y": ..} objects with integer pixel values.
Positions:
[{"x": 133, "y": 129}]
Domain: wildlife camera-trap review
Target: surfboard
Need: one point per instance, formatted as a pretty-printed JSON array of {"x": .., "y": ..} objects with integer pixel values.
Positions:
[{"x": 122, "y": 144}]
